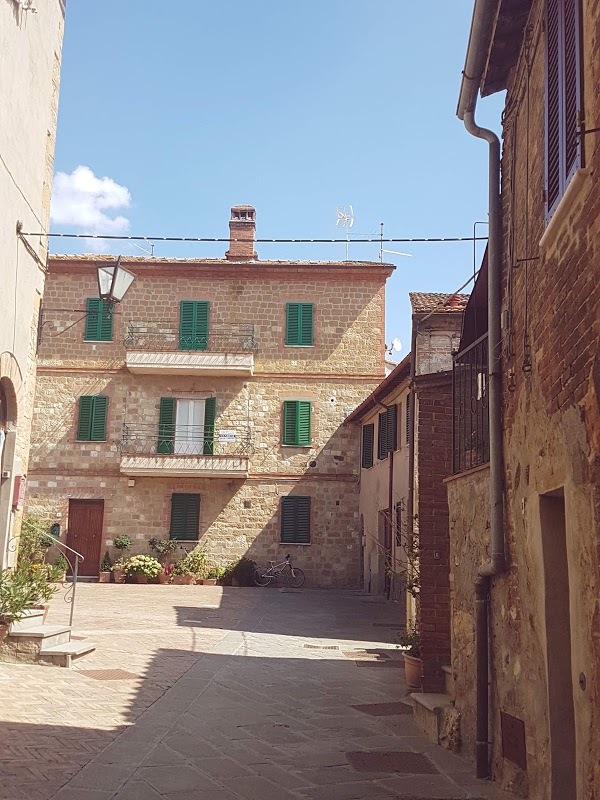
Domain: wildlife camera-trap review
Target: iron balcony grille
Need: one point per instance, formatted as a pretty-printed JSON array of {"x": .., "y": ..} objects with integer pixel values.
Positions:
[
  {"x": 155, "y": 337},
  {"x": 471, "y": 435},
  {"x": 185, "y": 440}
]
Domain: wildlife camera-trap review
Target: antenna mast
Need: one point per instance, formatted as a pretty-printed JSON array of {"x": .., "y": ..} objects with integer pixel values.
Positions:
[{"x": 345, "y": 219}]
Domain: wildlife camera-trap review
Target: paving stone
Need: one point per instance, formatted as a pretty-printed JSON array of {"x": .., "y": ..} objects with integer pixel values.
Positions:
[
  {"x": 251, "y": 788},
  {"x": 137, "y": 790},
  {"x": 350, "y": 791},
  {"x": 97, "y": 776},
  {"x": 221, "y": 768},
  {"x": 166, "y": 779},
  {"x": 425, "y": 787}
]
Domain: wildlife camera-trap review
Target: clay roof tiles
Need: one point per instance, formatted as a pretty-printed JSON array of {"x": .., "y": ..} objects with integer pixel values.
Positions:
[{"x": 425, "y": 302}]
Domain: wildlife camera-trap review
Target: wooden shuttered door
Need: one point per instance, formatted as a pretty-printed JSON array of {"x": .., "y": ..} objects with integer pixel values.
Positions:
[
  {"x": 295, "y": 520},
  {"x": 166, "y": 426},
  {"x": 563, "y": 97},
  {"x": 91, "y": 423},
  {"x": 185, "y": 517},
  {"x": 193, "y": 324},
  {"x": 299, "y": 324},
  {"x": 98, "y": 321},
  {"x": 368, "y": 437},
  {"x": 297, "y": 422},
  {"x": 210, "y": 409}
]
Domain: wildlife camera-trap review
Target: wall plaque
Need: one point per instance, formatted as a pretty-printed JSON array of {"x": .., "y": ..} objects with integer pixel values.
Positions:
[{"x": 513, "y": 740}]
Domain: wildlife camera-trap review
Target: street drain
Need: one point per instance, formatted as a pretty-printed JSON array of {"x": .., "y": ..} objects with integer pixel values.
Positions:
[
  {"x": 321, "y": 647},
  {"x": 397, "y": 761},
  {"x": 109, "y": 674},
  {"x": 384, "y": 709}
]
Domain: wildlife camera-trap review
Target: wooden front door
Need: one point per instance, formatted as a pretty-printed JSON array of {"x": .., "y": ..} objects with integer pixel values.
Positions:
[{"x": 84, "y": 533}]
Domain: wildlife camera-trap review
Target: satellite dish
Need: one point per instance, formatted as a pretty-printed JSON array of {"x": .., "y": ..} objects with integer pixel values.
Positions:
[{"x": 396, "y": 345}]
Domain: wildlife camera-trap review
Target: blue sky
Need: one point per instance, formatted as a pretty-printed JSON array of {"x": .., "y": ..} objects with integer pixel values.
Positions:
[{"x": 296, "y": 108}]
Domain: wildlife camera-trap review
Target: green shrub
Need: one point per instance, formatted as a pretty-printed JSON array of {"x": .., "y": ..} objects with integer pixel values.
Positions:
[
  {"x": 215, "y": 571},
  {"x": 142, "y": 565},
  {"x": 106, "y": 564},
  {"x": 163, "y": 548},
  {"x": 16, "y": 595},
  {"x": 122, "y": 542},
  {"x": 194, "y": 563}
]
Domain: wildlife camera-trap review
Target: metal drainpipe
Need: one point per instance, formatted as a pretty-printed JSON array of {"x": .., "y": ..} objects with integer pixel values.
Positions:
[
  {"x": 410, "y": 499},
  {"x": 484, "y": 14}
]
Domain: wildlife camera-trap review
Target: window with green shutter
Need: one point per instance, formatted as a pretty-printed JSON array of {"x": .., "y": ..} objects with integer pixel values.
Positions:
[
  {"x": 98, "y": 321},
  {"x": 408, "y": 419},
  {"x": 193, "y": 324},
  {"x": 382, "y": 436},
  {"x": 392, "y": 428},
  {"x": 185, "y": 517},
  {"x": 297, "y": 422},
  {"x": 295, "y": 520},
  {"x": 299, "y": 324},
  {"x": 368, "y": 439},
  {"x": 210, "y": 408},
  {"x": 166, "y": 426},
  {"x": 91, "y": 425}
]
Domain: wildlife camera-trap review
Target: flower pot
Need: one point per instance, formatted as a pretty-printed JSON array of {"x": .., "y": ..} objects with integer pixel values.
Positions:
[
  {"x": 199, "y": 581},
  {"x": 119, "y": 576},
  {"x": 42, "y": 607},
  {"x": 104, "y": 577},
  {"x": 4, "y": 629},
  {"x": 183, "y": 580},
  {"x": 210, "y": 581},
  {"x": 413, "y": 670},
  {"x": 141, "y": 578},
  {"x": 162, "y": 578}
]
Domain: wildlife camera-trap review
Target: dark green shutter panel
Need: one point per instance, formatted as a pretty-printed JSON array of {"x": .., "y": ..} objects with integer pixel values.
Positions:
[
  {"x": 290, "y": 415},
  {"x": 368, "y": 435},
  {"x": 304, "y": 423},
  {"x": 185, "y": 516},
  {"x": 306, "y": 324},
  {"x": 98, "y": 427},
  {"x": 292, "y": 324},
  {"x": 210, "y": 408},
  {"x": 392, "y": 428},
  {"x": 295, "y": 520},
  {"x": 98, "y": 321},
  {"x": 166, "y": 426},
  {"x": 408, "y": 419},
  {"x": 193, "y": 324},
  {"x": 382, "y": 436},
  {"x": 84, "y": 424}
]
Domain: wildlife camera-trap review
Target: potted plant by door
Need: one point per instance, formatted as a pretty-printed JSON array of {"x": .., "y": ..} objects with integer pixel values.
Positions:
[
  {"x": 118, "y": 571},
  {"x": 182, "y": 573},
  {"x": 410, "y": 642},
  {"x": 142, "y": 568},
  {"x": 105, "y": 569}
]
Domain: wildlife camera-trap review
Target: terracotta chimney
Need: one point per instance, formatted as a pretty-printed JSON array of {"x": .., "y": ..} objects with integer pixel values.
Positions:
[
  {"x": 242, "y": 227},
  {"x": 454, "y": 301}
]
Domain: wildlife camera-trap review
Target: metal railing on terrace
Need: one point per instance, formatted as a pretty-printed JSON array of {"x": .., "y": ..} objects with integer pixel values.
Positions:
[
  {"x": 157, "y": 337},
  {"x": 184, "y": 440},
  {"x": 471, "y": 434}
]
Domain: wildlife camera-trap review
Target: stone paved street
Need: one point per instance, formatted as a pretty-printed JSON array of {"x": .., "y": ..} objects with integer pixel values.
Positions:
[{"x": 222, "y": 693}]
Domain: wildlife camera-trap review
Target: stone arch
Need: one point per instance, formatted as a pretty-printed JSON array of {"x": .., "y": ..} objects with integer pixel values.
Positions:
[{"x": 11, "y": 383}]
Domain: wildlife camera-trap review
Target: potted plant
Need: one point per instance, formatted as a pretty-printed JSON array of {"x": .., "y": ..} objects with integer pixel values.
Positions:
[
  {"x": 214, "y": 574},
  {"x": 61, "y": 566},
  {"x": 118, "y": 570},
  {"x": 41, "y": 585},
  {"x": 197, "y": 562},
  {"x": 409, "y": 641},
  {"x": 166, "y": 574},
  {"x": 182, "y": 573},
  {"x": 142, "y": 568},
  {"x": 163, "y": 548},
  {"x": 122, "y": 543},
  {"x": 105, "y": 569},
  {"x": 16, "y": 596}
]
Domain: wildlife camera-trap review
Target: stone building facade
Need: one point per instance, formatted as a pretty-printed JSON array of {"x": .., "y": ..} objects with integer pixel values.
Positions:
[
  {"x": 286, "y": 350},
  {"x": 544, "y": 608},
  {"x": 30, "y": 58}
]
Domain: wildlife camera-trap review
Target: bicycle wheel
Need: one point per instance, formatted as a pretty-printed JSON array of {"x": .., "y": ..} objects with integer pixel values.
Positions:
[
  {"x": 262, "y": 578},
  {"x": 294, "y": 578}
]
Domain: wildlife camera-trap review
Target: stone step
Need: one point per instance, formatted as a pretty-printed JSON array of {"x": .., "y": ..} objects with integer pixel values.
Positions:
[
  {"x": 62, "y": 655},
  {"x": 429, "y": 710},
  {"x": 32, "y": 618},
  {"x": 448, "y": 680},
  {"x": 44, "y": 636}
]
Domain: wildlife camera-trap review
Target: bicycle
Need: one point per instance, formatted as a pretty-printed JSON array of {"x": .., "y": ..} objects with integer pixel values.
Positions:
[{"x": 293, "y": 576}]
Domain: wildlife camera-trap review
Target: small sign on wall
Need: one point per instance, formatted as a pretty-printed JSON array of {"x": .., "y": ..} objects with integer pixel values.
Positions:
[
  {"x": 19, "y": 492},
  {"x": 227, "y": 436}
]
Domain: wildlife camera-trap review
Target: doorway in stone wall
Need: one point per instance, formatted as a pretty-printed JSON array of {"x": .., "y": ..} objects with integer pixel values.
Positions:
[
  {"x": 385, "y": 552},
  {"x": 84, "y": 533},
  {"x": 561, "y": 712}
]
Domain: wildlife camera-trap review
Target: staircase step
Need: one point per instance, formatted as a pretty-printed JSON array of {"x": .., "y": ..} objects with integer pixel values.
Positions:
[
  {"x": 63, "y": 654},
  {"x": 32, "y": 617},
  {"x": 45, "y": 635},
  {"x": 429, "y": 709}
]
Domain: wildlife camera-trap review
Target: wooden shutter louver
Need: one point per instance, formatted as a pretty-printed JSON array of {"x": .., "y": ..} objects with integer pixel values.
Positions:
[
  {"x": 98, "y": 429},
  {"x": 210, "y": 411},
  {"x": 185, "y": 516},
  {"x": 572, "y": 77},
  {"x": 166, "y": 426},
  {"x": 98, "y": 321},
  {"x": 408, "y": 420},
  {"x": 91, "y": 424},
  {"x": 553, "y": 115},
  {"x": 299, "y": 324},
  {"x": 368, "y": 436},
  {"x": 382, "y": 436},
  {"x": 193, "y": 324},
  {"x": 392, "y": 428},
  {"x": 295, "y": 520},
  {"x": 84, "y": 423},
  {"x": 297, "y": 422}
]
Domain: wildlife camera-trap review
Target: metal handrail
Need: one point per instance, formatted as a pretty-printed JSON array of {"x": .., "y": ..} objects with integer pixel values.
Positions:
[
  {"x": 162, "y": 336},
  {"x": 74, "y": 571},
  {"x": 195, "y": 440}
]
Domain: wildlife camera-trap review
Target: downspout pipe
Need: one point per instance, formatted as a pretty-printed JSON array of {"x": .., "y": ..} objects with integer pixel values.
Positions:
[
  {"x": 410, "y": 499},
  {"x": 482, "y": 26}
]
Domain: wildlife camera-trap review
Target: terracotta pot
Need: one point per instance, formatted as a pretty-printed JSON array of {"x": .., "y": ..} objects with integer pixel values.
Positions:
[
  {"x": 104, "y": 577},
  {"x": 141, "y": 578},
  {"x": 183, "y": 580},
  {"x": 199, "y": 581},
  {"x": 413, "y": 670},
  {"x": 42, "y": 607},
  {"x": 162, "y": 578},
  {"x": 4, "y": 629},
  {"x": 118, "y": 576},
  {"x": 210, "y": 581}
]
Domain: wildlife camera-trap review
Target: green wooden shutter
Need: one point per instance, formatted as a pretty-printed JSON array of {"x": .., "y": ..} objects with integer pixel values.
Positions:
[
  {"x": 193, "y": 324},
  {"x": 98, "y": 321},
  {"x": 166, "y": 426},
  {"x": 382, "y": 436},
  {"x": 98, "y": 427},
  {"x": 306, "y": 324},
  {"x": 292, "y": 324},
  {"x": 210, "y": 408},
  {"x": 368, "y": 436},
  {"x": 290, "y": 416},
  {"x": 408, "y": 419},
  {"x": 297, "y": 423},
  {"x": 295, "y": 520},
  {"x": 84, "y": 424},
  {"x": 185, "y": 516},
  {"x": 304, "y": 423},
  {"x": 392, "y": 428}
]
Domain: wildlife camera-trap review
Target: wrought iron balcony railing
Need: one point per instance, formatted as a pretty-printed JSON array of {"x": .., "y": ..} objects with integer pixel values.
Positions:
[
  {"x": 185, "y": 440},
  {"x": 156, "y": 337},
  {"x": 471, "y": 434}
]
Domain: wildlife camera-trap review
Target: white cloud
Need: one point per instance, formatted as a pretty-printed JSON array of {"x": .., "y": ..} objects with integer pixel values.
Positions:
[{"x": 82, "y": 200}]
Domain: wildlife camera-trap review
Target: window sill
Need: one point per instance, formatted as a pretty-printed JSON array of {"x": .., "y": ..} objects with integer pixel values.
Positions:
[
  {"x": 295, "y": 544},
  {"x": 298, "y": 446},
  {"x": 302, "y": 346},
  {"x": 578, "y": 182}
]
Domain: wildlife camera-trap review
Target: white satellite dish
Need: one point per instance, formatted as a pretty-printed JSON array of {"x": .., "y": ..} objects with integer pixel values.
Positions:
[{"x": 396, "y": 345}]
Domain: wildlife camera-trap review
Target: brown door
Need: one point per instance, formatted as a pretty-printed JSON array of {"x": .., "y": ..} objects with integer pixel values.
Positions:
[{"x": 84, "y": 533}]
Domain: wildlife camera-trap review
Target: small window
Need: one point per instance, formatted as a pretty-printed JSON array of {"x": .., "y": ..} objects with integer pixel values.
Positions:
[
  {"x": 368, "y": 438},
  {"x": 382, "y": 436},
  {"x": 91, "y": 425},
  {"x": 295, "y": 520},
  {"x": 297, "y": 423},
  {"x": 185, "y": 517},
  {"x": 299, "y": 324},
  {"x": 98, "y": 321},
  {"x": 193, "y": 324}
]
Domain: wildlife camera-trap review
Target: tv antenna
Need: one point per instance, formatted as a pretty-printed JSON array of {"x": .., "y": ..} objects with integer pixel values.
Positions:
[
  {"x": 143, "y": 249},
  {"x": 393, "y": 252},
  {"x": 345, "y": 219}
]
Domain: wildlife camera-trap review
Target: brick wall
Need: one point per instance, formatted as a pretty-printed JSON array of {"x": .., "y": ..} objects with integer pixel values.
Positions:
[{"x": 433, "y": 459}]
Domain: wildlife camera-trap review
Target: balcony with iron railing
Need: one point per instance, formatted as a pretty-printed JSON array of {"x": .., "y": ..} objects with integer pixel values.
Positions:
[
  {"x": 471, "y": 436},
  {"x": 185, "y": 450},
  {"x": 154, "y": 348}
]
